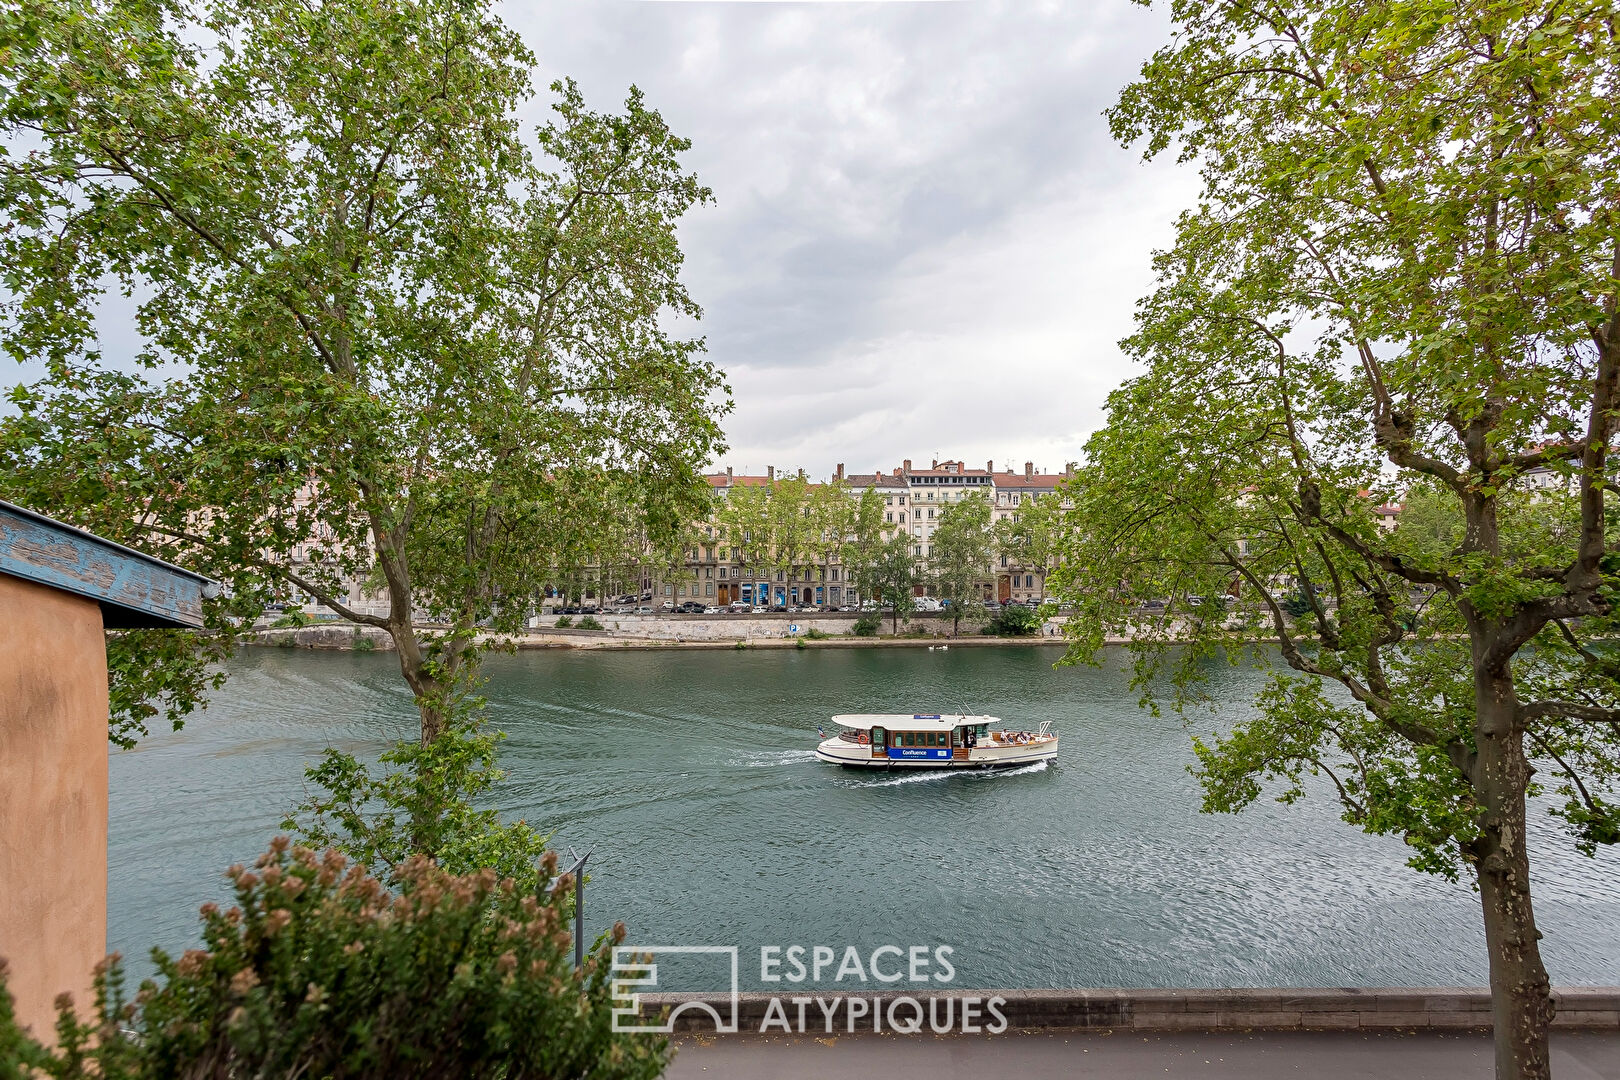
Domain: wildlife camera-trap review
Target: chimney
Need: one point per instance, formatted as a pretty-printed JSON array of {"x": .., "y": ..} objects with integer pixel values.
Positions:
[
  {"x": 840, "y": 473},
  {"x": 906, "y": 464},
  {"x": 935, "y": 465},
  {"x": 728, "y": 474},
  {"x": 770, "y": 472},
  {"x": 989, "y": 466},
  {"x": 1068, "y": 468},
  {"x": 897, "y": 471},
  {"x": 1029, "y": 469}
]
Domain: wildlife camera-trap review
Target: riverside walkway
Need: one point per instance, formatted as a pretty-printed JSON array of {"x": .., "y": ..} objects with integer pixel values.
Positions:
[{"x": 1057, "y": 1053}]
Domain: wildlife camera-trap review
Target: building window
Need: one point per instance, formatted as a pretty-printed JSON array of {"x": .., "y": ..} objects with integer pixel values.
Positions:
[
  {"x": 917, "y": 550},
  {"x": 708, "y": 590},
  {"x": 835, "y": 573},
  {"x": 1004, "y": 560},
  {"x": 667, "y": 590},
  {"x": 902, "y": 517},
  {"x": 889, "y": 516}
]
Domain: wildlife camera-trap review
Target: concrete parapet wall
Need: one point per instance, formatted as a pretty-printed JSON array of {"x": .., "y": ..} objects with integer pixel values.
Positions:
[
  {"x": 327, "y": 636},
  {"x": 1303, "y": 1009}
]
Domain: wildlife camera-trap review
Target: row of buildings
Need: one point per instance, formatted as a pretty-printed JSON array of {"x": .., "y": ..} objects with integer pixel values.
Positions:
[
  {"x": 716, "y": 571},
  {"x": 914, "y": 501}
]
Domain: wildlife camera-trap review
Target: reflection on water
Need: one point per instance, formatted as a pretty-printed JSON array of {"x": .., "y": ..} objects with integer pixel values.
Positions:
[{"x": 691, "y": 777}]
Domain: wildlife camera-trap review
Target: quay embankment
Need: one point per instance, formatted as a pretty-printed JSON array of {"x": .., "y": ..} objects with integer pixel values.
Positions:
[
  {"x": 1580, "y": 1008},
  {"x": 683, "y": 632}
]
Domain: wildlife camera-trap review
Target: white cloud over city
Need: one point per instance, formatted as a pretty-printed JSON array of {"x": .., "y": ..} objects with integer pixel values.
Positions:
[{"x": 925, "y": 239}]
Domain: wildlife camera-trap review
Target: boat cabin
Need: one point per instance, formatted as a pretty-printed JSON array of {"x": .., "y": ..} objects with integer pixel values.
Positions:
[{"x": 918, "y": 737}]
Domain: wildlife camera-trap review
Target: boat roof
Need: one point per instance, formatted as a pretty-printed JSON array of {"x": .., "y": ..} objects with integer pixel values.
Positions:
[{"x": 913, "y": 721}]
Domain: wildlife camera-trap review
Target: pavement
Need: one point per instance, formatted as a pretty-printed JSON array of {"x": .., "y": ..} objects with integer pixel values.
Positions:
[{"x": 1048, "y": 1055}]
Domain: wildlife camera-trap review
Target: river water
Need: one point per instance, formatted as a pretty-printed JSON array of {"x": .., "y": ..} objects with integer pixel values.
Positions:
[{"x": 690, "y": 775}]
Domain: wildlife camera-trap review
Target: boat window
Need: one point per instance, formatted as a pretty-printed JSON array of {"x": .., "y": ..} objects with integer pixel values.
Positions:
[{"x": 878, "y": 736}]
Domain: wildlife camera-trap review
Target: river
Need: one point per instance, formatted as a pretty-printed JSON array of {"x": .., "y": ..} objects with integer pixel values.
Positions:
[{"x": 690, "y": 775}]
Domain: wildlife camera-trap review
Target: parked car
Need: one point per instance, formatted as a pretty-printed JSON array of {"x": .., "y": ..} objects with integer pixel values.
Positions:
[
  {"x": 1195, "y": 601},
  {"x": 926, "y": 603},
  {"x": 758, "y": 609},
  {"x": 667, "y": 605},
  {"x": 644, "y": 609},
  {"x": 739, "y": 607},
  {"x": 689, "y": 607},
  {"x": 779, "y": 607},
  {"x": 711, "y": 610}
]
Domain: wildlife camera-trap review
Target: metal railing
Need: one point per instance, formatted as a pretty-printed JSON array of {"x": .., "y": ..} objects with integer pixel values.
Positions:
[{"x": 577, "y": 872}]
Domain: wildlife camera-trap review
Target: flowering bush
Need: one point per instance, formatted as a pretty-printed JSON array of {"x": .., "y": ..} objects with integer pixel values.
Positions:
[{"x": 319, "y": 970}]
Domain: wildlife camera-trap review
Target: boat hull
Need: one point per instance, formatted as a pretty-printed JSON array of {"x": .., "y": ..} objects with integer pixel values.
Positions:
[{"x": 854, "y": 756}]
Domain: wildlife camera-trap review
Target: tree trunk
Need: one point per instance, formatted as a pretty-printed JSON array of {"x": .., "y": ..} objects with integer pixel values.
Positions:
[{"x": 1521, "y": 996}]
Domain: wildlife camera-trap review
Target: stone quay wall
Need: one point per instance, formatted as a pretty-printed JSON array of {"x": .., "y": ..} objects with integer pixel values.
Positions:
[{"x": 1595, "y": 1008}]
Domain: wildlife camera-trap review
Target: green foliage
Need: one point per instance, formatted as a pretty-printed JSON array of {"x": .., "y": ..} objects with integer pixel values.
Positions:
[
  {"x": 959, "y": 562},
  {"x": 320, "y": 970},
  {"x": 798, "y": 643},
  {"x": 892, "y": 576},
  {"x": 564, "y": 622},
  {"x": 866, "y": 626},
  {"x": 295, "y": 617},
  {"x": 420, "y": 799},
  {"x": 863, "y": 543},
  {"x": 414, "y": 345},
  {"x": 589, "y": 622},
  {"x": 1398, "y": 280},
  {"x": 816, "y": 635},
  {"x": 1014, "y": 620},
  {"x": 789, "y": 524}
]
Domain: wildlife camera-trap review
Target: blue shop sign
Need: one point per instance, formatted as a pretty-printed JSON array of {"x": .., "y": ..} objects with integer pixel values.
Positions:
[{"x": 923, "y": 752}]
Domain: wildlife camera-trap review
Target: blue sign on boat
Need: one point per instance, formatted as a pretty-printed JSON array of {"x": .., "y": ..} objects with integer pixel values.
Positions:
[
  {"x": 923, "y": 752},
  {"x": 925, "y": 716}
]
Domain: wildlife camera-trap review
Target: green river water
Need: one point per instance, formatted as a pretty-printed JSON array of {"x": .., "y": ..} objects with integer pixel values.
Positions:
[{"x": 690, "y": 775}]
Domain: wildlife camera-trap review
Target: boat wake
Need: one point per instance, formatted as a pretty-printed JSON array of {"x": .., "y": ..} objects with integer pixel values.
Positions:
[
  {"x": 771, "y": 759},
  {"x": 924, "y": 776}
]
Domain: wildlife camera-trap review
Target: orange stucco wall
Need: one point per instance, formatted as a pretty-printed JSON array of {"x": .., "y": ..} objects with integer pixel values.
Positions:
[{"x": 53, "y": 796}]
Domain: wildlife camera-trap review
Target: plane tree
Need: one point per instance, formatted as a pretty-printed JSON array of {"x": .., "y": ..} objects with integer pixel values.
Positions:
[
  {"x": 959, "y": 563},
  {"x": 1402, "y": 276},
  {"x": 382, "y": 331}
]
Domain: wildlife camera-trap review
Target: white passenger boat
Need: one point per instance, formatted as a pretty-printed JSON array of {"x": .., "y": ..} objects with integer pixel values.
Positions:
[{"x": 933, "y": 741}]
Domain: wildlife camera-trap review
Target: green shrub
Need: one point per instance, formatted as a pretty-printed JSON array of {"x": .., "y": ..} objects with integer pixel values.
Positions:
[
  {"x": 565, "y": 622},
  {"x": 294, "y": 618},
  {"x": 866, "y": 626},
  {"x": 740, "y": 646},
  {"x": 798, "y": 643},
  {"x": 1015, "y": 620},
  {"x": 588, "y": 622},
  {"x": 816, "y": 635},
  {"x": 320, "y": 971}
]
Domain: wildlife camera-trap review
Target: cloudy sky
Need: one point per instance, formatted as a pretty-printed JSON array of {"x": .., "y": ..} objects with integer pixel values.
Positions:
[{"x": 925, "y": 241}]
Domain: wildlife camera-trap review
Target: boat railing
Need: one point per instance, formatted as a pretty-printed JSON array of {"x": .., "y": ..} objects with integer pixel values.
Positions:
[{"x": 851, "y": 736}]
